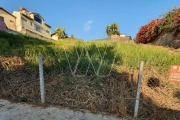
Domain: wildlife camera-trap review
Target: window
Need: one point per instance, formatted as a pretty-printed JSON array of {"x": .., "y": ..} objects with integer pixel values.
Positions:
[
  {"x": 37, "y": 28},
  {"x": 37, "y": 19},
  {"x": 47, "y": 31},
  {"x": 11, "y": 21},
  {"x": 2, "y": 18},
  {"x": 23, "y": 19},
  {"x": 31, "y": 23}
]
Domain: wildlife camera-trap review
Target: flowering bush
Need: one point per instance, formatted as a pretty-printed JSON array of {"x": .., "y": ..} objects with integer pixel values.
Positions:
[
  {"x": 148, "y": 32},
  {"x": 170, "y": 22}
]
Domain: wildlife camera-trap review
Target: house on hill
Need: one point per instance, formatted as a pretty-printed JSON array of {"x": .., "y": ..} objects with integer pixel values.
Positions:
[
  {"x": 32, "y": 24},
  {"x": 121, "y": 36},
  {"x": 25, "y": 22},
  {"x": 8, "y": 19},
  {"x": 54, "y": 36}
]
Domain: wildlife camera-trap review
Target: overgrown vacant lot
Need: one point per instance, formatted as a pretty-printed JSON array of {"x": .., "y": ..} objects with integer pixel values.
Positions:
[{"x": 112, "y": 94}]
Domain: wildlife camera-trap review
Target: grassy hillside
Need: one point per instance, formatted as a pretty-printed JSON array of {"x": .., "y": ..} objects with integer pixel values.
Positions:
[
  {"x": 112, "y": 94},
  {"x": 129, "y": 54}
]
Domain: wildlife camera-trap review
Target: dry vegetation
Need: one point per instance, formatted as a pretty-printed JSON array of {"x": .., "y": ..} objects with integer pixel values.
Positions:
[{"x": 19, "y": 80}]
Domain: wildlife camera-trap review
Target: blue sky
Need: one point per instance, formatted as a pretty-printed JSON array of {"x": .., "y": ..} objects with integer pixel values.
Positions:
[{"x": 87, "y": 19}]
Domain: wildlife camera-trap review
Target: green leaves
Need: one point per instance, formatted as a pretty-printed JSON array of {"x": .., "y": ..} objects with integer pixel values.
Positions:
[
  {"x": 61, "y": 33},
  {"x": 112, "y": 29}
]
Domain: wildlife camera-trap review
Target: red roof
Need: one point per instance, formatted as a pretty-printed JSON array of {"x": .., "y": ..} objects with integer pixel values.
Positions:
[{"x": 3, "y": 26}]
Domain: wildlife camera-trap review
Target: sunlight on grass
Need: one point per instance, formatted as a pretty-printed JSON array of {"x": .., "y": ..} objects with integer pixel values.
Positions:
[{"x": 53, "y": 51}]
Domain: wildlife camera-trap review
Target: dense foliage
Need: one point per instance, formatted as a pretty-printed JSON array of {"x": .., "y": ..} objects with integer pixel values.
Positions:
[
  {"x": 112, "y": 29},
  {"x": 61, "y": 33},
  {"x": 169, "y": 22}
]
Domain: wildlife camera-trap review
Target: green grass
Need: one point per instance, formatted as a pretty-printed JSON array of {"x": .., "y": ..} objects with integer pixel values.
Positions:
[
  {"x": 161, "y": 58},
  {"x": 129, "y": 54}
]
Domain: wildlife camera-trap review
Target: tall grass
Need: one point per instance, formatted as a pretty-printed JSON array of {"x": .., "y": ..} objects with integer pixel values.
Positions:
[
  {"x": 129, "y": 54},
  {"x": 158, "y": 57}
]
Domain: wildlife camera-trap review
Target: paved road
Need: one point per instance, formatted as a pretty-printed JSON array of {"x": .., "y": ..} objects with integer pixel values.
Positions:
[{"x": 22, "y": 111}]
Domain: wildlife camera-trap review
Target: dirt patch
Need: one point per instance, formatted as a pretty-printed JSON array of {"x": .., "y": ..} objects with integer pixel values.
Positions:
[
  {"x": 110, "y": 95},
  {"x": 168, "y": 39}
]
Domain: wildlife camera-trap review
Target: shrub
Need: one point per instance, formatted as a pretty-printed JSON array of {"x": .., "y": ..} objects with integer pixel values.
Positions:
[
  {"x": 148, "y": 32},
  {"x": 169, "y": 22}
]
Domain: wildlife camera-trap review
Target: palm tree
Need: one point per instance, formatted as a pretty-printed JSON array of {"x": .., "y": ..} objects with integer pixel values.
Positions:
[
  {"x": 112, "y": 29},
  {"x": 108, "y": 30},
  {"x": 61, "y": 33}
]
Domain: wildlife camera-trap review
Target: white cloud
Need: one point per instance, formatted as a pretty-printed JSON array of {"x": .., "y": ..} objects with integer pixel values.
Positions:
[{"x": 87, "y": 25}]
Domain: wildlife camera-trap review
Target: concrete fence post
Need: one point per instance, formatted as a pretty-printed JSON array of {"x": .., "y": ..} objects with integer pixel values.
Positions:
[
  {"x": 41, "y": 79},
  {"x": 138, "y": 91}
]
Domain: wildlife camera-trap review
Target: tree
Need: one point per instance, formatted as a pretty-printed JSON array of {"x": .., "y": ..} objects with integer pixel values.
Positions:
[
  {"x": 61, "y": 33},
  {"x": 112, "y": 29}
]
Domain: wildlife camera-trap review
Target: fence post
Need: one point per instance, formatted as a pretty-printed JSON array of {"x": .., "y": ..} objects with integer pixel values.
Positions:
[
  {"x": 138, "y": 91},
  {"x": 41, "y": 79}
]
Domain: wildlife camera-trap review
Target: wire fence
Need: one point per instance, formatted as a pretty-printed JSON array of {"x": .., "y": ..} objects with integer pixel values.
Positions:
[
  {"x": 100, "y": 85},
  {"x": 160, "y": 98}
]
